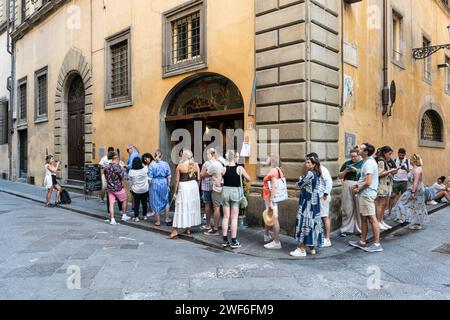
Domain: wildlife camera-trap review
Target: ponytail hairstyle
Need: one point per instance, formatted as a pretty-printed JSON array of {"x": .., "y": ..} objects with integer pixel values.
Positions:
[
  {"x": 48, "y": 158},
  {"x": 158, "y": 155},
  {"x": 230, "y": 156},
  {"x": 188, "y": 156},
  {"x": 316, "y": 162}
]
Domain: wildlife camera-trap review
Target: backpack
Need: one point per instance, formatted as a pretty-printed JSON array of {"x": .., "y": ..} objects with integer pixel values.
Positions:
[{"x": 65, "y": 197}]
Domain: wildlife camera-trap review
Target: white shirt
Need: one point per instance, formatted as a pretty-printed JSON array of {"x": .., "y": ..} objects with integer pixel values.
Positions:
[
  {"x": 139, "y": 180},
  {"x": 215, "y": 170},
  {"x": 104, "y": 161},
  {"x": 438, "y": 187},
  {"x": 402, "y": 175},
  {"x": 326, "y": 182}
]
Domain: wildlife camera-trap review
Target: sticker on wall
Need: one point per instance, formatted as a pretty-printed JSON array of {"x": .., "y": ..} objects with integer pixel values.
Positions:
[
  {"x": 348, "y": 90},
  {"x": 350, "y": 143}
]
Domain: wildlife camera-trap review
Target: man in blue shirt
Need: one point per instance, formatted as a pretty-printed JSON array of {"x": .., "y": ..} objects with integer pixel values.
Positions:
[
  {"x": 133, "y": 152},
  {"x": 366, "y": 190}
]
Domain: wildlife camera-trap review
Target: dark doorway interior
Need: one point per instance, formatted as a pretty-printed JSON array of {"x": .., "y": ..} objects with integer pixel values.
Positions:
[
  {"x": 23, "y": 154},
  {"x": 76, "y": 105}
]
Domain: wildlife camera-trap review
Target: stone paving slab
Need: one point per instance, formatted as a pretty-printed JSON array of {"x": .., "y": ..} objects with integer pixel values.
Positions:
[{"x": 250, "y": 238}]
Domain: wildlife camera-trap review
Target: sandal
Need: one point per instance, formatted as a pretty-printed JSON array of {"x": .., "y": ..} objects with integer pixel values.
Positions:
[
  {"x": 187, "y": 232},
  {"x": 169, "y": 223},
  {"x": 172, "y": 236},
  {"x": 158, "y": 224}
]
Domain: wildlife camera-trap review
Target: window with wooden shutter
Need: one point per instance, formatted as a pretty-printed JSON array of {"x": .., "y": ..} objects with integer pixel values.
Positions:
[
  {"x": 3, "y": 123},
  {"x": 41, "y": 95},
  {"x": 22, "y": 100}
]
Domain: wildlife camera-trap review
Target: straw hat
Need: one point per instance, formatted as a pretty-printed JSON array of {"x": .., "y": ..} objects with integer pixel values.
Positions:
[{"x": 270, "y": 216}]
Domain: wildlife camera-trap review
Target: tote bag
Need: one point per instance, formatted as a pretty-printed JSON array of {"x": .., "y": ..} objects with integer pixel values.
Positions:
[{"x": 282, "y": 192}]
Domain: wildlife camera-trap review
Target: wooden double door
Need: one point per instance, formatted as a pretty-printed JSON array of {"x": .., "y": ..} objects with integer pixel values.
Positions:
[{"x": 76, "y": 143}]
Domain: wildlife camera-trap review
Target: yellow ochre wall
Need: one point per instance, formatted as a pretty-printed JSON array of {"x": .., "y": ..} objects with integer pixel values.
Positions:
[
  {"x": 363, "y": 115},
  {"x": 230, "y": 52}
]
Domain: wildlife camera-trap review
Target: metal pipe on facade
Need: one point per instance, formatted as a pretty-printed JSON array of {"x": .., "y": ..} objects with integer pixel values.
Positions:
[
  {"x": 10, "y": 22},
  {"x": 385, "y": 91}
]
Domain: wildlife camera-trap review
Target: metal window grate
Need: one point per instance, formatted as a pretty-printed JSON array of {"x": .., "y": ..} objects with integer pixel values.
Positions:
[
  {"x": 23, "y": 101},
  {"x": 119, "y": 70},
  {"x": 186, "y": 38},
  {"x": 431, "y": 129},
  {"x": 42, "y": 95}
]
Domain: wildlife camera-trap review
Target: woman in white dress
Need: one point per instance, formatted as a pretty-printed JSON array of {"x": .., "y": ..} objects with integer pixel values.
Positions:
[
  {"x": 50, "y": 181},
  {"x": 187, "y": 195}
]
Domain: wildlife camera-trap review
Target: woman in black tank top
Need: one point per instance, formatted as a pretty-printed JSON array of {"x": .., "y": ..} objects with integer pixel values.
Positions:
[{"x": 231, "y": 196}]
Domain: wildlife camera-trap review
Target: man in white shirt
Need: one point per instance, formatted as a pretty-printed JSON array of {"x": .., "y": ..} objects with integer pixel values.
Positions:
[
  {"x": 215, "y": 171},
  {"x": 326, "y": 185},
  {"x": 400, "y": 184},
  {"x": 366, "y": 190}
]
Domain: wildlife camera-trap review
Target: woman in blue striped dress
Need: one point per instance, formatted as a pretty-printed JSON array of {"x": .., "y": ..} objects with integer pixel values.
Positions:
[{"x": 159, "y": 174}]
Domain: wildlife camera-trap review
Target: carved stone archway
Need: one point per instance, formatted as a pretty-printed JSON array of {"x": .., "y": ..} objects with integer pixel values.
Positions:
[{"x": 74, "y": 64}]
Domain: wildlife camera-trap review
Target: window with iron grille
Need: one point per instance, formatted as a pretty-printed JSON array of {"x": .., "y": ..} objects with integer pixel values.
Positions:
[
  {"x": 184, "y": 38},
  {"x": 427, "y": 65},
  {"x": 41, "y": 95},
  {"x": 118, "y": 71},
  {"x": 431, "y": 128},
  {"x": 3, "y": 122},
  {"x": 22, "y": 100}
]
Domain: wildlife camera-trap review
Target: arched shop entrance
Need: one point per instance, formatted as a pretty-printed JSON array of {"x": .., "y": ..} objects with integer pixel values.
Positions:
[{"x": 202, "y": 110}]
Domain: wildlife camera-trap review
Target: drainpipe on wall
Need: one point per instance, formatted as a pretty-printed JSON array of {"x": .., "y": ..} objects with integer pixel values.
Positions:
[
  {"x": 385, "y": 91},
  {"x": 10, "y": 48}
]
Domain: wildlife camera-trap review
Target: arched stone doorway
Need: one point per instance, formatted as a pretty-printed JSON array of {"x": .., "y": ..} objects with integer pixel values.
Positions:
[
  {"x": 204, "y": 107},
  {"x": 73, "y": 116}
]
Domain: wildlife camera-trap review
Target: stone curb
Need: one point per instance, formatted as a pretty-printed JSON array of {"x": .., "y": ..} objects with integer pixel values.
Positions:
[{"x": 151, "y": 228}]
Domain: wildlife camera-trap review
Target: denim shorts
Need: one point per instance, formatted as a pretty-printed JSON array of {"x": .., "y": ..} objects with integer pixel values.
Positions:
[
  {"x": 207, "y": 197},
  {"x": 231, "y": 196}
]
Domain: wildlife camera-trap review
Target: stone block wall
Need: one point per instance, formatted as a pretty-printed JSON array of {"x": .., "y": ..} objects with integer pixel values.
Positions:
[{"x": 298, "y": 69}]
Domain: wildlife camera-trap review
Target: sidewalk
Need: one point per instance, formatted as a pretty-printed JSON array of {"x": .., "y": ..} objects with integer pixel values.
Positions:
[{"x": 250, "y": 238}]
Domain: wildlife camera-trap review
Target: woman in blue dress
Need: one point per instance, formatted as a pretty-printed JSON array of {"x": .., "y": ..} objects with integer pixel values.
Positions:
[
  {"x": 159, "y": 175},
  {"x": 309, "y": 229}
]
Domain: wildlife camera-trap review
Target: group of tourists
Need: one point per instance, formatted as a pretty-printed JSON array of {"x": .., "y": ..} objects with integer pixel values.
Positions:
[{"x": 374, "y": 186}]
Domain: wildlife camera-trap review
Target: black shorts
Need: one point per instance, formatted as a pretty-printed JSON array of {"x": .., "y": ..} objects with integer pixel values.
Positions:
[{"x": 54, "y": 181}]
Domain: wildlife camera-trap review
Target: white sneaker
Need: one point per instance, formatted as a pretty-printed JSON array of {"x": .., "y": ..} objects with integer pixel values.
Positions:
[
  {"x": 298, "y": 253},
  {"x": 386, "y": 225},
  {"x": 432, "y": 202},
  {"x": 268, "y": 238},
  {"x": 136, "y": 219},
  {"x": 326, "y": 243},
  {"x": 273, "y": 245},
  {"x": 113, "y": 223},
  {"x": 382, "y": 227},
  {"x": 125, "y": 218}
]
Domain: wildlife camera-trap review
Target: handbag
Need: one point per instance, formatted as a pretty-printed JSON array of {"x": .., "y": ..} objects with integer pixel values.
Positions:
[
  {"x": 282, "y": 192},
  {"x": 243, "y": 202}
]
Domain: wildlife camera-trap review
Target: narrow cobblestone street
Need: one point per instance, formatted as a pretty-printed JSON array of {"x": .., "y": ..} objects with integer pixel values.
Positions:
[{"x": 38, "y": 245}]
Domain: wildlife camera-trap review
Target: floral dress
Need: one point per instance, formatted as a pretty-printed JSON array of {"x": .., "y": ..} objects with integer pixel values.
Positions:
[
  {"x": 412, "y": 210},
  {"x": 309, "y": 230}
]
